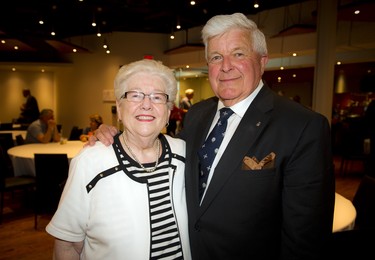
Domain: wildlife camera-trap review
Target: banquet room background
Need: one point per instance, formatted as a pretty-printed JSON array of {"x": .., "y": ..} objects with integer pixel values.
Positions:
[{"x": 84, "y": 85}]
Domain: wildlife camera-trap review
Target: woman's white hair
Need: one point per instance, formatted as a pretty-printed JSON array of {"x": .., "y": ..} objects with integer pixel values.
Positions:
[
  {"x": 221, "y": 24},
  {"x": 152, "y": 67}
]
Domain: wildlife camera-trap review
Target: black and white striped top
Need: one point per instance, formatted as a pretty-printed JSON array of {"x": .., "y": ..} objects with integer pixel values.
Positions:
[{"x": 165, "y": 238}]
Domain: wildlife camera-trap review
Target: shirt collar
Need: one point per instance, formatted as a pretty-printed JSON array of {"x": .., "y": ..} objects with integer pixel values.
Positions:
[{"x": 241, "y": 107}]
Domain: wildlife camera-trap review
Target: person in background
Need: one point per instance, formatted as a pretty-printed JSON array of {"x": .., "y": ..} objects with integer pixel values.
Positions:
[
  {"x": 44, "y": 129},
  {"x": 186, "y": 101},
  {"x": 128, "y": 201},
  {"x": 185, "y": 104},
  {"x": 30, "y": 109},
  {"x": 174, "y": 120},
  {"x": 369, "y": 118},
  {"x": 270, "y": 191},
  {"x": 297, "y": 99},
  {"x": 95, "y": 121}
]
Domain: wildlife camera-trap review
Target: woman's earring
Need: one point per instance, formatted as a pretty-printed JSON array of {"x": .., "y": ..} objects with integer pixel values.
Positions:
[{"x": 167, "y": 124}]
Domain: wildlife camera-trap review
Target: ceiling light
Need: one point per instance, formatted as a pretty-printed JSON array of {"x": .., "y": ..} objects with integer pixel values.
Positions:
[
  {"x": 3, "y": 41},
  {"x": 93, "y": 24},
  {"x": 74, "y": 50},
  {"x": 99, "y": 34},
  {"x": 107, "y": 51},
  {"x": 178, "y": 25},
  {"x": 105, "y": 44},
  {"x": 41, "y": 22},
  {"x": 172, "y": 35},
  {"x": 357, "y": 12},
  {"x": 192, "y": 2},
  {"x": 53, "y": 33},
  {"x": 256, "y": 5},
  {"x": 16, "y": 47}
]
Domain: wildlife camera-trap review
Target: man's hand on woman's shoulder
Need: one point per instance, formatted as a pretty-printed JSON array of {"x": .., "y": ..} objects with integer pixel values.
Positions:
[{"x": 104, "y": 133}]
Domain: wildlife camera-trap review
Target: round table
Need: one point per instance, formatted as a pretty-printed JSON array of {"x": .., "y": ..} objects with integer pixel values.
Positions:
[
  {"x": 344, "y": 214},
  {"x": 22, "y": 156}
]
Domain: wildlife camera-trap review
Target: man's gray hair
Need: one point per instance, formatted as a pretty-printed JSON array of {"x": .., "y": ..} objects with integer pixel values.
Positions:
[{"x": 221, "y": 24}]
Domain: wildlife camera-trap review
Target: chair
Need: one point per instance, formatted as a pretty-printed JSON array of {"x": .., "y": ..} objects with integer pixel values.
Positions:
[
  {"x": 20, "y": 140},
  {"x": 11, "y": 184},
  {"x": 75, "y": 133},
  {"x": 364, "y": 202},
  {"x": 6, "y": 126},
  {"x": 352, "y": 143},
  {"x": 6, "y": 142},
  {"x": 51, "y": 173}
]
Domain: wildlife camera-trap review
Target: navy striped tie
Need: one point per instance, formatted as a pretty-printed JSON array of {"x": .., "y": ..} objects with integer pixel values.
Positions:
[{"x": 210, "y": 147}]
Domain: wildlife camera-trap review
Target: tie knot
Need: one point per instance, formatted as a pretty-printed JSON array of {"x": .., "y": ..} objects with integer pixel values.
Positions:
[{"x": 225, "y": 113}]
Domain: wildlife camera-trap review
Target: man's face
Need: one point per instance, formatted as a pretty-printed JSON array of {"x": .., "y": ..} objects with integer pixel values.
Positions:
[
  {"x": 234, "y": 69},
  {"x": 47, "y": 117}
]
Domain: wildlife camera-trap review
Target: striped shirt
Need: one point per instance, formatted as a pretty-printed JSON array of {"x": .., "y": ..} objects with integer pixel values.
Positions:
[{"x": 165, "y": 237}]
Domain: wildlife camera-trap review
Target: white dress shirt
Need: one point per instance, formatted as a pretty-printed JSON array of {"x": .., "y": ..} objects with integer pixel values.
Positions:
[{"x": 239, "y": 110}]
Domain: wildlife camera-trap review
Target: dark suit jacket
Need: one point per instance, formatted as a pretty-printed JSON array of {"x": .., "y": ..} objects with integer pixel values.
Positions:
[{"x": 284, "y": 212}]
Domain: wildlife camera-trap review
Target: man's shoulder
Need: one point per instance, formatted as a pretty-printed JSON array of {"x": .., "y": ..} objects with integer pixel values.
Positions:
[
  {"x": 32, "y": 124},
  {"x": 208, "y": 104}
]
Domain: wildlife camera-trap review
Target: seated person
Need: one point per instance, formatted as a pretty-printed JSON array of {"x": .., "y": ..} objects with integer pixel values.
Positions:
[
  {"x": 95, "y": 122},
  {"x": 44, "y": 129}
]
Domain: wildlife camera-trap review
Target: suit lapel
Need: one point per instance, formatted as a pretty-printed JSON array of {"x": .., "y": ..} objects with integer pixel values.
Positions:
[
  {"x": 192, "y": 168},
  {"x": 251, "y": 126}
]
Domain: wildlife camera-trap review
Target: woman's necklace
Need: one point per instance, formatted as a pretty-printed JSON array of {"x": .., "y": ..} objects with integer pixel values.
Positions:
[{"x": 136, "y": 159}]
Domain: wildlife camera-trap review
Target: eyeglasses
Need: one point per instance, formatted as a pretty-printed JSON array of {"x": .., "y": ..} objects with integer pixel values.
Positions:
[{"x": 136, "y": 96}]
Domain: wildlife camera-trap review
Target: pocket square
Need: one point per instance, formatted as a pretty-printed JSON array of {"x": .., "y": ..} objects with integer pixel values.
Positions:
[{"x": 253, "y": 163}]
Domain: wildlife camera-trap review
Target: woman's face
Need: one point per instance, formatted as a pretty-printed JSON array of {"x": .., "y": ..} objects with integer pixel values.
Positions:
[
  {"x": 93, "y": 125},
  {"x": 143, "y": 118}
]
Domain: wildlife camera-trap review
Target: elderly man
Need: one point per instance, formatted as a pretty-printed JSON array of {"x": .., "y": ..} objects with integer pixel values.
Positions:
[{"x": 44, "y": 129}]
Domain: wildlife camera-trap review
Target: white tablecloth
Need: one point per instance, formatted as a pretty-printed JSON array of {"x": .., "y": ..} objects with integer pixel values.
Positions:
[
  {"x": 22, "y": 156},
  {"x": 344, "y": 214}
]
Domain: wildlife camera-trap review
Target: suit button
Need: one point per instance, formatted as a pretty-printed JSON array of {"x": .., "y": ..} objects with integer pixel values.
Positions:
[{"x": 197, "y": 227}]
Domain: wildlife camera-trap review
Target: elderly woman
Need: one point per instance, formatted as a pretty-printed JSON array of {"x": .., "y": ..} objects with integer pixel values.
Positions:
[
  {"x": 127, "y": 201},
  {"x": 95, "y": 121}
]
